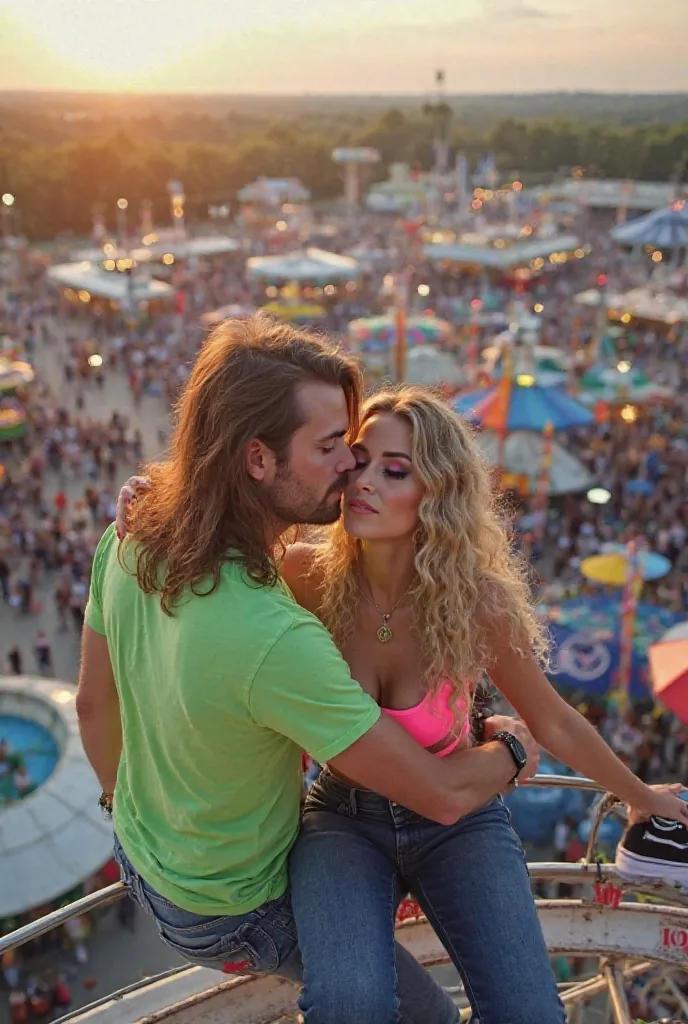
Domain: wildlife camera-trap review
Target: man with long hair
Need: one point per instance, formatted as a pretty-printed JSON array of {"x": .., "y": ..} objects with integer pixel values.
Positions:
[{"x": 202, "y": 681}]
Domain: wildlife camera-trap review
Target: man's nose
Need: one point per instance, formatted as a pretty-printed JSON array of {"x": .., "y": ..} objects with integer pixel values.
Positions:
[{"x": 347, "y": 461}]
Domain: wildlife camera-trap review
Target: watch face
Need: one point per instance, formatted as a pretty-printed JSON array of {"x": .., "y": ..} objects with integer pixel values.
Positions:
[{"x": 519, "y": 750}]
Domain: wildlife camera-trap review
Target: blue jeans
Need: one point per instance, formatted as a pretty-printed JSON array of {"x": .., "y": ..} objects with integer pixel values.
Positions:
[
  {"x": 264, "y": 941},
  {"x": 358, "y": 854}
]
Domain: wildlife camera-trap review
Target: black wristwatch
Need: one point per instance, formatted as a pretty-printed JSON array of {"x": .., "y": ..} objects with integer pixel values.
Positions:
[{"x": 516, "y": 749}]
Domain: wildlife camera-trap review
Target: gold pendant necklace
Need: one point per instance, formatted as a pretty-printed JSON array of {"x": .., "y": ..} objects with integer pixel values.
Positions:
[{"x": 384, "y": 633}]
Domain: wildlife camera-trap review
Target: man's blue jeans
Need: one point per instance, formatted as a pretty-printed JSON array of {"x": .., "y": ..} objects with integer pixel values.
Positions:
[
  {"x": 357, "y": 854},
  {"x": 264, "y": 941}
]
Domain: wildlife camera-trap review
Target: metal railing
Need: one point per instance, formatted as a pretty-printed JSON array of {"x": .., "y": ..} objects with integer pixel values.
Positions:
[{"x": 112, "y": 893}]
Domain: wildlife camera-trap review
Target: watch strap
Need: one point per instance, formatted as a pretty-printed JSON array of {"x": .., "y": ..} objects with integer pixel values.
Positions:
[{"x": 513, "y": 745}]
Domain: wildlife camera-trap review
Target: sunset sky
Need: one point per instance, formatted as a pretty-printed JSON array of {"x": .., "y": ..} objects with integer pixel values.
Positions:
[{"x": 343, "y": 46}]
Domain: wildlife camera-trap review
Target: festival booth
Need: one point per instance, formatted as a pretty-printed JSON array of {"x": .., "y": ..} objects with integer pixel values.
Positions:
[
  {"x": 275, "y": 210},
  {"x": 666, "y": 228},
  {"x": 517, "y": 261},
  {"x": 404, "y": 190},
  {"x": 638, "y": 304},
  {"x": 124, "y": 288},
  {"x": 162, "y": 249},
  {"x": 298, "y": 283},
  {"x": 611, "y": 193}
]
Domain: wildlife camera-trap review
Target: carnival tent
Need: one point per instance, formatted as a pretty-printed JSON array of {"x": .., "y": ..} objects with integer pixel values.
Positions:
[
  {"x": 492, "y": 258},
  {"x": 522, "y": 406},
  {"x": 666, "y": 228},
  {"x": 304, "y": 265},
  {"x": 641, "y": 303},
  {"x": 377, "y": 333},
  {"x": 613, "y": 385},
  {"x": 103, "y": 284},
  {"x": 522, "y": 456}
]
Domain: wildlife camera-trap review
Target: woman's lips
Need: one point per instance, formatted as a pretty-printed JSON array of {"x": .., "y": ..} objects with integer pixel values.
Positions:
[{"x": 361, "y": 508}]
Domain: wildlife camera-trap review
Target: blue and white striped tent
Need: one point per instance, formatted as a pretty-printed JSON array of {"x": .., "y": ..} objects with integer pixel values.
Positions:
[{"x": 665, "y": 229}]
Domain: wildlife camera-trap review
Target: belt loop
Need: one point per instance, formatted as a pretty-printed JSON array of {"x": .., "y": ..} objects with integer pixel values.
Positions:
[{"x": 352, "y": 802}]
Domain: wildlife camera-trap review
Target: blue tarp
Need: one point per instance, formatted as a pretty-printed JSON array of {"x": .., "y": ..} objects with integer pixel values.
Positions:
[{"x": 586, "y": 642}]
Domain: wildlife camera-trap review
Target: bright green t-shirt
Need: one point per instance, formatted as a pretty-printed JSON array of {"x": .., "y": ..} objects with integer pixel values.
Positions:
[{"x": 217, "y": 703}]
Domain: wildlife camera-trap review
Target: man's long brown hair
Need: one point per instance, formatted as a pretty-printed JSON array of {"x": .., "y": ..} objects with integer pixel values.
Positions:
[{"x": 203, "y": 508}]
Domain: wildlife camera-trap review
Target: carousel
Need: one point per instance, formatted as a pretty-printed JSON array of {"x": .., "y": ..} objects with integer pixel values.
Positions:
[{"x": 53, "y": 832}]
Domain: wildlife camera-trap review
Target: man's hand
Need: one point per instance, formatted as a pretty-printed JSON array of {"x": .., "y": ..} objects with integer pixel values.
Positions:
[{"x": 504, "y": 723}]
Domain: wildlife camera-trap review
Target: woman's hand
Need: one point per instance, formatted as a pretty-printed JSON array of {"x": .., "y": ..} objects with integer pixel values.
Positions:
[
  {"x": 132, "y": 489},
  {"x": 663, "y": 802}
]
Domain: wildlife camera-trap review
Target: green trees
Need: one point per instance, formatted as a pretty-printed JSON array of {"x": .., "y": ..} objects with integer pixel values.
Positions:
[{"x": 61, "y": 167}]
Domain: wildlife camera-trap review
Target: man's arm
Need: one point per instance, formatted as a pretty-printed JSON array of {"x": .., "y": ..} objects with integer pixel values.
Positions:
[
  {"x": 304, "y": 690},
  {"x": 387, "y": 760},
  {"x": 97, "y": 706}
]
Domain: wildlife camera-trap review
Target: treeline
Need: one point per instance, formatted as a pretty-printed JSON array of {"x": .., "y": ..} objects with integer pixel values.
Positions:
[{"x": 60, "y": 168}]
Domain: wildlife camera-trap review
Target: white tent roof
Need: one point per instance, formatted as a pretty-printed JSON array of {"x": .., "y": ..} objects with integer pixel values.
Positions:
[
  {"x": 105, "y": 284},
  {"x": 55, "y": 838},
  {"x": 426, "y": 364},
  {"x": 523, "y": 457},
  {"x": 304, "y": 265},
  {"x": 643, "y": 303},
  {"x": 181, "y": 249},
  {"x": 611, "y": 193},
  {"x": 515, "y": 255}
]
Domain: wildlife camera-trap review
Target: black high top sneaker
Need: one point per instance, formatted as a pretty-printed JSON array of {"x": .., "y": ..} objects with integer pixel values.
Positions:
[{"x": 657, "y": 848}]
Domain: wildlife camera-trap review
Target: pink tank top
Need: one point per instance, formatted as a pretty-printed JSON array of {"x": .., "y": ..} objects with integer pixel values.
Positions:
[{"x": 432, "y": 720}]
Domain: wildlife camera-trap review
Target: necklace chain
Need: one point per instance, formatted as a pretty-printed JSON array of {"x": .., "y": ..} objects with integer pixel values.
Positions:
[{"x": 384, "y": 633}]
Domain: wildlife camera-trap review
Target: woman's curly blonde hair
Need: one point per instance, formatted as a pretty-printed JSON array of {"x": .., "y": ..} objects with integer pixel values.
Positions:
[{"x": 466, "y": 572}]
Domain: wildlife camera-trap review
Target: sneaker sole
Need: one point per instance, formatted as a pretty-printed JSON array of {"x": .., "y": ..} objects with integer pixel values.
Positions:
[{"x": 632, "y": 865}]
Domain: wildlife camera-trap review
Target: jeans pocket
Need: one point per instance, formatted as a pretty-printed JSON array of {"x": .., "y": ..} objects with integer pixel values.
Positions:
[
  {"x": 247, "y": 950},
  {"x": 131, "y": 878}
]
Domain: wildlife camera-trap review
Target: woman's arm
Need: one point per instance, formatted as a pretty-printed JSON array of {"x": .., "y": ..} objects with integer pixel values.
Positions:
[{"x": 567, "y": 735}]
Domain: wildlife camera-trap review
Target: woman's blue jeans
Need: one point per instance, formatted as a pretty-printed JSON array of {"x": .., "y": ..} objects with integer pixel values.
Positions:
[{"x": 358, "y": 854}]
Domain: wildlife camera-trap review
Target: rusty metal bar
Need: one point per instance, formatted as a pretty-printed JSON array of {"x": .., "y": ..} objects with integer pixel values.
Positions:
[
  {"x": 101, "y": 898},
  {"x": 617, "y": 993}
]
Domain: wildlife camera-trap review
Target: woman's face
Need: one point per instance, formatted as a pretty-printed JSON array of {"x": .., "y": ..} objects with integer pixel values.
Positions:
[{"x": 382, "y": 497}]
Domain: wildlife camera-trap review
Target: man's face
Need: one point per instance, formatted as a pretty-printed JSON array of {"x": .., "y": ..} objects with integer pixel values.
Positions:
[{"x": 308, "y": 485}]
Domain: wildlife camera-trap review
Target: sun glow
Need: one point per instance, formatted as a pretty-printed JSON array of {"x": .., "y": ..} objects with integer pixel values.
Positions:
[{"x": 117, "y": 43}]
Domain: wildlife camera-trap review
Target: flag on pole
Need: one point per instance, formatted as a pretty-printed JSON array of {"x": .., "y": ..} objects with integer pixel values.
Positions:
[{"x": 629, "y": 605}]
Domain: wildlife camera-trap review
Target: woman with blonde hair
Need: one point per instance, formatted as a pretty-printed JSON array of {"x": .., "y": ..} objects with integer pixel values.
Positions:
[{"x": 423, "y": 594}]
